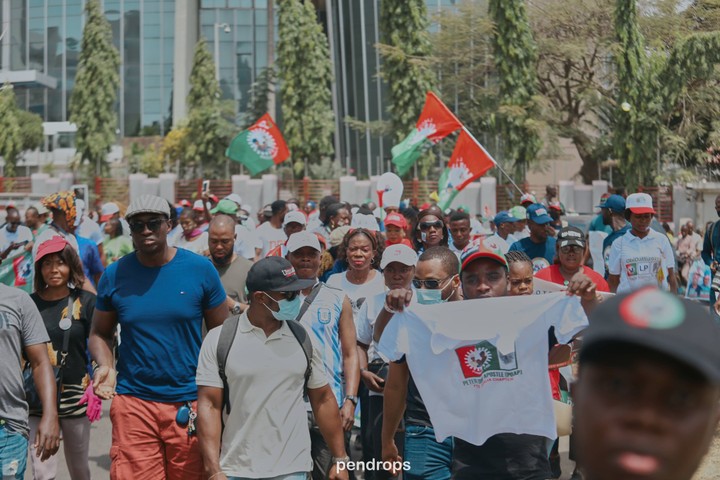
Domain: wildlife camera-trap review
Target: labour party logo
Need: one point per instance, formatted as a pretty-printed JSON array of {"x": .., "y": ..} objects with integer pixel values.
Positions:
[
  {"x": 650, "y": 308},
  {"x": 483, "y": 362},
  {"x": 262, "y": 143},
  {"x": 426, "y": 129}
]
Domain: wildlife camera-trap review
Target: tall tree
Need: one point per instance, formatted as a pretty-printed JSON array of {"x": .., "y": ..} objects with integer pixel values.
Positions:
[
  {"x": 305, "y": 73},
  {"x": 515, "y": 60},
  {"x": 651, "y": 84},
  {"x": 260, "y": 92},
  {"x": 406, "y": 66},
  {"x": 94, "y": 94},
  {"x": 11, "y": 139},
  {"x": 209, "y": 128}
]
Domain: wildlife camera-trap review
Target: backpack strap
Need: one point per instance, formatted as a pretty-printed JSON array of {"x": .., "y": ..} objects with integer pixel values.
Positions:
[
  {"x": 308, "y": 300},
  {"x": 304, "y": 340},
  {"x": 227, "y": 336}
]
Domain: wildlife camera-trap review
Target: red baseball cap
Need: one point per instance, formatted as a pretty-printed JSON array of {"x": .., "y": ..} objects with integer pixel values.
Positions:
[
  {"x": 54, "y": 245},
  {"x": 396, "y": 219},
  {"x": 482, "y": 248}
]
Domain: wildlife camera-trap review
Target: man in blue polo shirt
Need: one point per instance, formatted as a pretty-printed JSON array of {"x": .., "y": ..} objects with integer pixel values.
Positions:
[
  {"x": 159, "y": 295},
  {"x": 539, "y": 246}
]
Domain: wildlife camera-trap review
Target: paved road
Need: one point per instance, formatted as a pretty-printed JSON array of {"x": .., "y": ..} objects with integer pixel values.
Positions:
[{"x": 100, "y": 437}]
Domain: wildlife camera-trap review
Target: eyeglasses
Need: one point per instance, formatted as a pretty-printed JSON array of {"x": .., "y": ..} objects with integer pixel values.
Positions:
[
  {"x": 431, "y": 283},
  {"x": 153, "y": 225},
  {"x": 438, "y": 225},
  {"x": 571, "y": 249}
]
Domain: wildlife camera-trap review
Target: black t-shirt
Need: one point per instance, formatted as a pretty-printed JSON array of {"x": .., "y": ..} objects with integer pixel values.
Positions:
[
  {"x": 415, "y": 411},
  {"x": 75, "y": 376},
  {"x": 506, "y": 456}
]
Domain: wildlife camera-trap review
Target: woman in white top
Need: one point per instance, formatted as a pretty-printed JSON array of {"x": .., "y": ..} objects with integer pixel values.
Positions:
[
  {"x": 192, "y": 237},
  {"x": 361, "y": 250}
]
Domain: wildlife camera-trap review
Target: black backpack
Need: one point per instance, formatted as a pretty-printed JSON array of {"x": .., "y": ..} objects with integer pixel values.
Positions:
[{"x": 227, "y": 336}]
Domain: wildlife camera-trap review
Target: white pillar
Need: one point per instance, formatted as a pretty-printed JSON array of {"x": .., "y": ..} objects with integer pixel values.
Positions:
[
  {"x": 269, "y": 189},
  {"x": 347, "y": 189},
  {"x": 488, "y": 195},
  {"x": 566, "y": 195},
  {"x": 136, "y": 183},
  {"x": 186, "y": 36},
  {"x": 166, "y": 188}
]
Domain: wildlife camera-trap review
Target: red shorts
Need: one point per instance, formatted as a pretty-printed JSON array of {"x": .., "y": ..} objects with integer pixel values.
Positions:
[{"x": 148, "y": 444}]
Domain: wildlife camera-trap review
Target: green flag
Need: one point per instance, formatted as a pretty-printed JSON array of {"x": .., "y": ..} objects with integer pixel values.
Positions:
[
  {"x": 406, "y": 153},
  {"x": 259, "y": 147}
]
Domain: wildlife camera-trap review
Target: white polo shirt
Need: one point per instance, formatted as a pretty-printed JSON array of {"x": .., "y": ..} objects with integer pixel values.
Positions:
[
  {"x": 266, "y": 433},
  {"x": 641, "y": 261}
]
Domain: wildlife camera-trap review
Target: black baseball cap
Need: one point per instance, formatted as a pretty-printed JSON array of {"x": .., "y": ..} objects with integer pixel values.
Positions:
[
  {"x": 571, "y": 236},
  {"x": 275, "y": 274},
  {"x": 657, "y": 320}
]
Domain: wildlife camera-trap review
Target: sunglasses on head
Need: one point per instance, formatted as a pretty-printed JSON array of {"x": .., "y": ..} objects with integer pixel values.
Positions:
[
  {"x": 438, "y": 225},
  {"x": 137, "y": 226},
  {"x": 430, "y": 284}
]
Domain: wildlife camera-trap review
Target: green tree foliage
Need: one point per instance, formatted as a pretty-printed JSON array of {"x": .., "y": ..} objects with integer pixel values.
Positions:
[
  {"x": 11, "y": 138},
  {"x": 305, "y": 74},
  {"x": 515, "y": 60},
  {"x": 260, "y": 93},
  {"x": 406, "y": 54},
  {"x": 575, "y": 39},
  {"x": 209, "y": 126},
  {"x": 94, "y": 94},
  {"x": 31, "y": 129},
  {"x": 653, "y": 84}
]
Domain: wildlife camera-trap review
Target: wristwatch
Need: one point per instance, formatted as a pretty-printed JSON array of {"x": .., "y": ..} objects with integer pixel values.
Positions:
[
  {"x": 236, "y": 309},
  {"x": 352, "y": 398},
  {"x": 339, "y": 461}
]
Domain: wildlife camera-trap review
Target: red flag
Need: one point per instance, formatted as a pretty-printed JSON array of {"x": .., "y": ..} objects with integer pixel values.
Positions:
[
  {"x": 435, "y": 113},
  {"x": 469, "y": 161}
]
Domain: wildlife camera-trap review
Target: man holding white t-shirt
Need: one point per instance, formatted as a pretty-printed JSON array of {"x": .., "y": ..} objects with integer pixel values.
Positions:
[{"x": 642, "y": 256}]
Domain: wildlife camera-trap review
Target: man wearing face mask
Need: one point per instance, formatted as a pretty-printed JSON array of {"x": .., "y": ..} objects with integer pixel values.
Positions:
[
  {"x": 265, "y": 434},
  {"x": 398, "y": 267},
  {"x": 642, "y": 256},
  {"x": 436, "y": 281}
]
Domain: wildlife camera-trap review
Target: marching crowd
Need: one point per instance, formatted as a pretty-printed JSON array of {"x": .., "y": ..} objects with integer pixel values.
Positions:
[{"x": 236, "y": 346}]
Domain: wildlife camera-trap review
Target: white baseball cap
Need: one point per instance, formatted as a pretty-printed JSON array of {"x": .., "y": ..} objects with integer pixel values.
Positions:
[
  {"x": 303, "y": 239},
  {"x": 399, "y": 253},
  {"x": 639, "y": 203},
  {"x": 234, "y": 197},
  {"x": 368, "y": 222},
  {"x": 295, "y": 217},
  {"x": 108, "y": 210}
]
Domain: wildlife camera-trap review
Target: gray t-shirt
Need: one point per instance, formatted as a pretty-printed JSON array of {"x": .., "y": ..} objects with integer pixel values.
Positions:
[
  {"x": 233, "y": 278},
  {"x": 20, "y": 326}
]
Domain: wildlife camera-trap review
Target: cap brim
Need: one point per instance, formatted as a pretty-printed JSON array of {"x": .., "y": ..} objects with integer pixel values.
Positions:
[
  {"x": 641, "y": 210},
  {"x": 50, "y": 250},
  {"x": 567, "y": 242},
  {"x": 395, "y": 224},
  {"x": 393, "y": 260},
  {"x": 664, "y": 345},
  {"x": 107, "y": 217},
  {"x": 542, "y": 219},
  {"x": 299, "y": 284},
  {"x": 489, "y": 255}
]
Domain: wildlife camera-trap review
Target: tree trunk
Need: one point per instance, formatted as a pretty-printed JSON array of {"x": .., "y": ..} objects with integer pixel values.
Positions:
[{"x": 589, "y": 170}]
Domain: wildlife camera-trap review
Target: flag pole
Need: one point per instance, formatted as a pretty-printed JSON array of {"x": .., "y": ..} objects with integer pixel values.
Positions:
[{"x": 496, "y": 163}]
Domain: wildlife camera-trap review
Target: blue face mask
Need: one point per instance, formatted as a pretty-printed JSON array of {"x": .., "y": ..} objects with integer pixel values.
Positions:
[
  {"x": 425, "y": 296},
  {"x": 289, "y": 309}
]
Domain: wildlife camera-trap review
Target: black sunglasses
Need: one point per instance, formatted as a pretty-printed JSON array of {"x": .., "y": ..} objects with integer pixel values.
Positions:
[
  {"x": 431, "y": 284},
  {"x": 428, "y": 225},
  {"x": 291, "y": 295},
  {"x": 153, "y": 225}
]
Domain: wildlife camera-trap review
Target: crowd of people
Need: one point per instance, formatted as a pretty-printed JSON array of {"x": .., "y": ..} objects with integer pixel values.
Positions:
[{"x": 236, "y": 346}]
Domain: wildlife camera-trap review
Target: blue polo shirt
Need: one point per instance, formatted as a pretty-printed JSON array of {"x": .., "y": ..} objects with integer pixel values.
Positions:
[
  {"x": 541, "y": 254},
  {"x": 160, "y": 311}
]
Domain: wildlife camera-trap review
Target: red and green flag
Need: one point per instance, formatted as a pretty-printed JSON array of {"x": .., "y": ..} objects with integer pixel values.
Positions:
[
  {"x": 469, "y": 161},
  {"x": 17, "y": 270},
  {"x": 259, "y": 147},
  {"x": 435, "y": 123}
]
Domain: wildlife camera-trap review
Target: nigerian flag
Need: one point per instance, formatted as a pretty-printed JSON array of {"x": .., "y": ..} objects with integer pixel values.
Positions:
[
  {"x": 259, "y": 147},
  {"x": 435, "y": 123}
]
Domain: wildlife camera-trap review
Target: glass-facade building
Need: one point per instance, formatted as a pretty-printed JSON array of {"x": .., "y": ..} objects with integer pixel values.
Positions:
[{"x": 44, "y": 37}]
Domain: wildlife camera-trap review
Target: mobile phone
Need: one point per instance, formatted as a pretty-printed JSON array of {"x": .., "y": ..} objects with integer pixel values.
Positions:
[{"x": 205, "y": 186}]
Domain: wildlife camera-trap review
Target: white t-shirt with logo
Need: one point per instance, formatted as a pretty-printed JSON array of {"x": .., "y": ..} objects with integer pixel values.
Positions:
[
  {"x": 641, "y": 261},
  {"x": 479, "y": 376},
  {"x": 270, "y": 237}
]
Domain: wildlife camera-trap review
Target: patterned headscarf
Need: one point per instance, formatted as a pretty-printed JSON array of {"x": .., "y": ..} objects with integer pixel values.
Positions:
[{"x": 64, "y": 201}]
